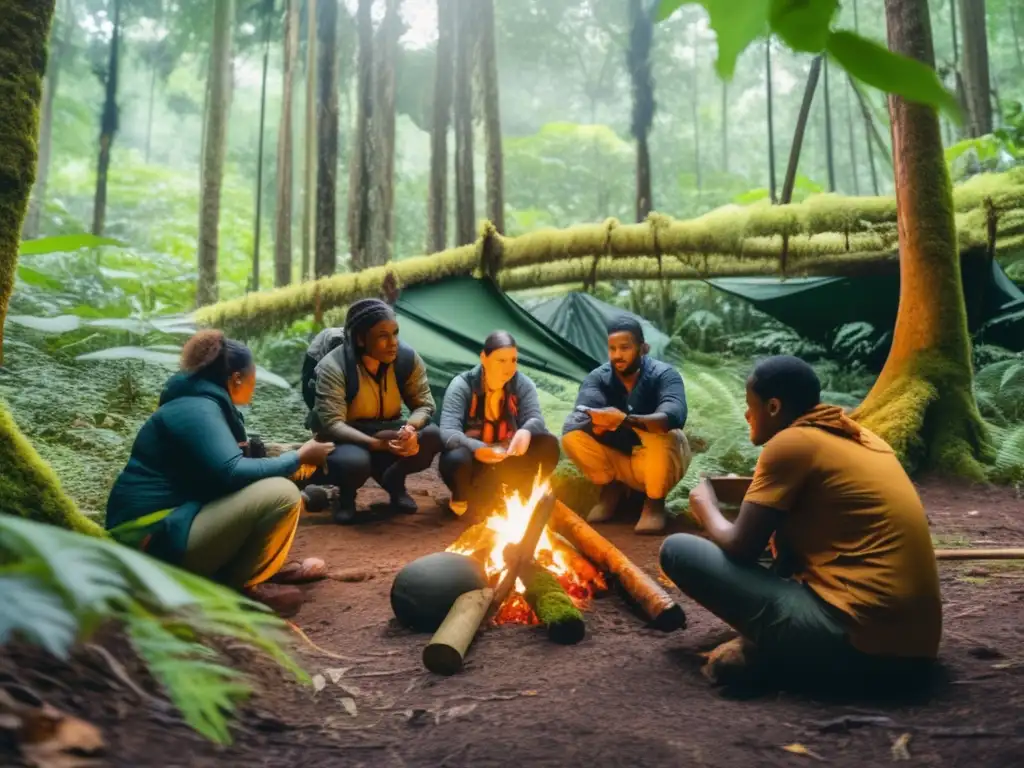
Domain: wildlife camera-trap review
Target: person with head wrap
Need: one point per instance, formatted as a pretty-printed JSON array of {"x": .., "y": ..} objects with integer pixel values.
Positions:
[
  {"x": 853, "y": 592},
  {"x": 190, "y": 495},
  {"x": 358, "y": 392},
  {"x": 626, "y": 430}
]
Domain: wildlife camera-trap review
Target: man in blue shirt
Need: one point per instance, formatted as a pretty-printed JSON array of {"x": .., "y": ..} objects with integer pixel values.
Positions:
[{"x": 626, "y": 431}]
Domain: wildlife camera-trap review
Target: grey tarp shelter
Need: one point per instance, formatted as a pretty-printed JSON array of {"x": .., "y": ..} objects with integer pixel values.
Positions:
[
  {"x": 447, "y": 322},
  {"x": 815, "y": 307},
  {"x": 582, "y": 320}
]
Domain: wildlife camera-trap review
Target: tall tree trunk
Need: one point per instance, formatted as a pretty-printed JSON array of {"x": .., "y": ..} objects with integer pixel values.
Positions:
[
  {"x": 923, "y": 401},
  {"x": 60, "y": 38},
  {"x": 771, "y": 121},
  {"x": 978, "y": 92},
  {"x": 28, "y": 486},
  {"x": 268, "y": 13},
  {"x": 437, "y": 202},
  {"x": 695, "y": 113},
  {"x": 283, "y": 219},
  {"x": 309, "y": 167},
  {"x": 638, "y": 60},
  {"x": 866, "y": 114},
  {"x": 360, "y": 176},
  {"x": 327, "y": 140},
  {"x": 492, "y": 117},
  {"x": 829, "y": 154},
  {"x": 108, "y": 125},
  {"x": 382, "y": 161},
  {"x": 801, "y": 127},
  {"x": 1016, "y": 35},
  {"x": 466, "y": 27},
  {"x": 851, "y": 144},
  {"x": 216, "y": 146},
  {"x": 958, "y": 78},
  {"x": 725, "y": 127}
]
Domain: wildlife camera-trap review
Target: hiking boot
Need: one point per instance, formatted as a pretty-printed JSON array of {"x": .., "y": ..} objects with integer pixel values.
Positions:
[
  {"x": 652, "y": 518},
  {"x": 283, "y": 600},
  {"x": 730, "y": 663},
  {"x": 343, "y": 510},
  {"x": 318, "y": 498},
  {"x": 404, "y": 503},
  {"x": 607, "y": 506}
]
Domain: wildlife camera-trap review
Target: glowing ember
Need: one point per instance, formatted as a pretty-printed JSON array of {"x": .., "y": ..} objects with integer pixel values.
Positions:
[{"x": 486, "y": 542}]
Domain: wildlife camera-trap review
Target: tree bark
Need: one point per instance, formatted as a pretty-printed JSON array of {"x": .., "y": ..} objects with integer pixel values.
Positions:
[
  {"x": 866, "y": 114},
  {"x": 360, "y": 176},
  {"x": 437, "y": 202},
  {"x": 216, "y": 146},
  {"x": 327, "y": 140},
  {"x": 58, "y": 45},
  {"x": 283, "y": 222},
  {"x": 382, "y": 161},
  {"x": 638, "y": 60},
  {"x": 309, "y": 167},
  {"x": 771, "y": 121},
  {"x": 267, "y": 12},
  {"x": 801, "y": 127},
  {"x": 108, "y": 125},
  {"x": 1016, "y": 35},
  {"x": 829, "y": 154},
  {"x": 465, "y": 48},
  {"x": 851, "y": 143},
  {"x": 28, "y": 486},
  {"x": 492, "y": 118},
  {"x": 923, "y": 401},
  {"x": 977, "y": 89}
]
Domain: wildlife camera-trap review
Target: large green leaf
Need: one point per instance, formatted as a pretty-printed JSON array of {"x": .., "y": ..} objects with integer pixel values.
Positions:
[
  {"x": 30, "y": 609},
  {"x": 876, "y": 65},
  {"x": 262, "y": 374},
  {"x": 132, "y": 353},
  {"x": 66, "y": 244},
  {"x": 38, "y": 279},
  {"x": 803, "y": 24},
  {"x": 58, "y": 324},
  {"x": 737, "y": 23},
  {"x": 667, "y": 7}
]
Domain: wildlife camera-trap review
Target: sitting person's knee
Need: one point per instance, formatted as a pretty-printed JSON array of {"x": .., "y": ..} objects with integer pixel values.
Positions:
[
  {"x": 430, "y": 439},
  {"x": 545, "y": 447},
  {"x": 350, "y": 462},
  {"x": 454, "y": 458},
  {"x": 278, "y": 496},
  {"x": 680, "y": 554}
]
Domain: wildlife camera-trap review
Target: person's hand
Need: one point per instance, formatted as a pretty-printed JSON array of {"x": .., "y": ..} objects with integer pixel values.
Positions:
[
  {"x": 315, "y": 453},
  {"x": 702, "y": 497},
  {"x": 519, "y": 444},
  {"x": 489, "y": 454},
  {"x": 406, "y": 444},
  {"x": 408, "y": 431},
  {"x": 606, "y": 419}
]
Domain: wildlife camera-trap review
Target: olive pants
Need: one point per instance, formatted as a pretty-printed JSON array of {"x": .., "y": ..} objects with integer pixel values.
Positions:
[
  {"x": 243, "y": 539},
  {"x": 655, "y": 467}
]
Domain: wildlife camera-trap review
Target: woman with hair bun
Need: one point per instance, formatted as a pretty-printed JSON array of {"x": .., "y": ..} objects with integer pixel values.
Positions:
[{"x": 191, "y": 497}]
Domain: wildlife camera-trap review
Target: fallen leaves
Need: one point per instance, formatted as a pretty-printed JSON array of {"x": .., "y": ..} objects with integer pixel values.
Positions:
[
  {"x": 47, "y": 736},
  {"x": 800, "y": 749},
  {"x": 899, "y": 748}
]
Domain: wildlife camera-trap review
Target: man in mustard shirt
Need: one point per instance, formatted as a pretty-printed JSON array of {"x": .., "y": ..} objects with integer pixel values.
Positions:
[
  {"x": 360, "y": 387},
  {"x": 855, "y": 586}
]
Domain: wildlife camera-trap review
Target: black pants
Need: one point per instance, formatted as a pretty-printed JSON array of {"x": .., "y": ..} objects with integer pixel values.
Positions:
[
  {"x": 476, "y": 482},
  {"x": 350, "y": 466}
]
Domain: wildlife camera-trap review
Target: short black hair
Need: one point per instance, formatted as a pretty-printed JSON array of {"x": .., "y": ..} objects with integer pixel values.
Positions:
[
  {"x": 789, "y": 379},
  {"x": 498, "y": 340},
  {"x": 363, "y": 315},
  {"x": 627, "y": 324}
]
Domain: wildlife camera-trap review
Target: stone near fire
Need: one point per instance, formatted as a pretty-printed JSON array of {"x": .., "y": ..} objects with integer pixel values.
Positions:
[{"x": 424, "y": 590}]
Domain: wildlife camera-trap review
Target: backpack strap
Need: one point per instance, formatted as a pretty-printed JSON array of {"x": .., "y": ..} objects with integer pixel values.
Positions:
[{"x": 404, "y": 364}]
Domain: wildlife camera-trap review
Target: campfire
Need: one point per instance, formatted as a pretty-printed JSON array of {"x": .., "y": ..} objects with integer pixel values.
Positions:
[{"x": 503, "y": 531}]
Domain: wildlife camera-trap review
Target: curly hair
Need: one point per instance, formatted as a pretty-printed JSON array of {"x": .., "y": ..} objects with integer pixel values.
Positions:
[{"x": 210, "y": 355}]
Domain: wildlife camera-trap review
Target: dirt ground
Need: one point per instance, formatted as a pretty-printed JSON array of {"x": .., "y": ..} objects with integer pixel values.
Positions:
[{"x": 624, "y": 696}]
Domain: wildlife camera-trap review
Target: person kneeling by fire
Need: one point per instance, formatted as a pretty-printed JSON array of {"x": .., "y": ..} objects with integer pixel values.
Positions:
[
  {"x": 190, "y": 495},
  {"x": 852, "y": 596},
  {"x": 356, "y": 397},
  {"x": 493, "y": 430},
  {"x": 626, "y": 431}
]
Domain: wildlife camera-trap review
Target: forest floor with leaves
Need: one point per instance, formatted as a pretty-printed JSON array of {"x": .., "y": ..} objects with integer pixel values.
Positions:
[{"x": 624, "y": 696}]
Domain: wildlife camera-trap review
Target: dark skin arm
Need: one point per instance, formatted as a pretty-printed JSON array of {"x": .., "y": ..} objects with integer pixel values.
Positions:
[
  {"x": 656, "y": 423},
  {"x": 744, "y": 540}
]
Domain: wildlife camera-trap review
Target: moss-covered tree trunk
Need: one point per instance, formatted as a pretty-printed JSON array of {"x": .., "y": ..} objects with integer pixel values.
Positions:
[
  {"x": 977, "y": 88},
  {"x": 216, "y": 148},
  {"x": 382, "y": 174},
  {"x": 28, "y": 487},
  {"x": 309, "y": 166},
  {"x": 437, "y": 203},
  {"x": 283, "y": 218},
  {"x": 492, "y": 117},
  {"x": 108, "y": 125},
  {"x": 327, "y": 141},
  {"x": 923, "y": 401}
]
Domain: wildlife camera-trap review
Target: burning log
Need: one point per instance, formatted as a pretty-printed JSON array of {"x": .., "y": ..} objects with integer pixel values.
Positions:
[
  {"x": 520, "y": 555},
  {"x": 553, "y": 606},
  {"x": 664, "y": 613},
  {"x": 447, "y": 648}
]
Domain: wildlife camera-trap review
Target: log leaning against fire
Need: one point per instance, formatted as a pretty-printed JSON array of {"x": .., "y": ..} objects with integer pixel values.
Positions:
[
  {"x": 664, "y": 613},
  {"x": 553, "y": 606},
  {"x": 447, "y": 649}
]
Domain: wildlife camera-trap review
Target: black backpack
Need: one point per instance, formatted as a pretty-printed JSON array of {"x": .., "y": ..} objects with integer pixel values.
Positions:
[{"x": 330, "y": 339}]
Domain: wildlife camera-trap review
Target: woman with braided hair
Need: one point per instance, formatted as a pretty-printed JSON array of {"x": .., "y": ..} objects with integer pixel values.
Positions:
[
  {"x": 191, "y": 497},
  {"x": 359, "y": 389}
]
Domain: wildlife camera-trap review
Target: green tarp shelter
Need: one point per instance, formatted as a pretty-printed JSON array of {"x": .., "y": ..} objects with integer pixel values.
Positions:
[
  {"x": 815, "y": 307},
  {"x": 582, "y": 320},
  {"x": 447, "y": 322}
]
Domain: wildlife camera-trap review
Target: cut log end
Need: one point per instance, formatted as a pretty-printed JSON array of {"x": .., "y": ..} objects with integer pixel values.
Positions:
[
  {"x": 447, "y": 648},
  {"x": 670, "y": 620},
  {"x": 442, "y": 659}
]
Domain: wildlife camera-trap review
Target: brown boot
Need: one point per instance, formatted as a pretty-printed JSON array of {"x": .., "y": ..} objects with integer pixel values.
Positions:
[
  {"x": 730, "y": 663},
  {"x": 606, "y": 508},
  {"x": 283, "y": 600},
  {"x": 652, "y": 519}
]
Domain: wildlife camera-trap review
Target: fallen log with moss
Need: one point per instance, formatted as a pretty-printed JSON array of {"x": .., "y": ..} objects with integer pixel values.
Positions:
[{"x": 552, "y": 605}]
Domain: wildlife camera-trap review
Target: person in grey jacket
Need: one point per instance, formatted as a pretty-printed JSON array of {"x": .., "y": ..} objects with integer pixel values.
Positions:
[{"x": 492, "y": 430}]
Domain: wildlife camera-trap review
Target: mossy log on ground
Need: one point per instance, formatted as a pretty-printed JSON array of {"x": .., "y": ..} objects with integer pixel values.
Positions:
[
  {"x": 826, "y": 234},
  {"x": 29, "y": 487},
  {"x": 553, "y": 606}
]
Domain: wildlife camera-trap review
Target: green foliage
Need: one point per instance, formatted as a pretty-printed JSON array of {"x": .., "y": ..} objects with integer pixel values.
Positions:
[{"x": 59, "y": 586}]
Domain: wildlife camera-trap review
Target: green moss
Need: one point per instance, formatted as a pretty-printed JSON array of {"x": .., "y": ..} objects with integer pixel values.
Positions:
[
  {"x": 29, "y": 488},
  {"x": 555, "y": 609}
]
